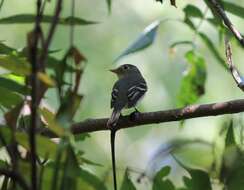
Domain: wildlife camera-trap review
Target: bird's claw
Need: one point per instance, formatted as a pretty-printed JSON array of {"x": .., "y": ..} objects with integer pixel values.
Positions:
[{"x": 134, "y": 115}]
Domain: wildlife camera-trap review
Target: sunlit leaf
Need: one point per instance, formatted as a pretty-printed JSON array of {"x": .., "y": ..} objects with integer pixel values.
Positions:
[
  {"x": 127, "y": 183},
  {"x": 13, "y": 86},
  {"x": 159, "y": 181},
  {"x": 192, "y": 11},
  {"x": 30, "y": 18},
  {"x": 19, "y": 79},
  {"x": 193, "y": 81},
  {"x": 51, "y": 122},
  {"x": 46, "y": 79},
  {"x": 145, "y": 39},
  {"x": 15, "y": 64}
]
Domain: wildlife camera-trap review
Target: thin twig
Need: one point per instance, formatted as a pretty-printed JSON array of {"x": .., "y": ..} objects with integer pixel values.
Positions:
[
  {"x": 234, "y": 72},
  {"x": 193, "y": 111},
  {"x": 220, "y": 11},
  {"x": 53, "y": 26},
  {"x": 16, "y": 177}
]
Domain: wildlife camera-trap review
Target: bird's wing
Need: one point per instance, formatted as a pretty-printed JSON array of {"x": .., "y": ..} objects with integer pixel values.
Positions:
[
  {"x": 135, "y": 93},
  {"x": 114, "y": 96}
]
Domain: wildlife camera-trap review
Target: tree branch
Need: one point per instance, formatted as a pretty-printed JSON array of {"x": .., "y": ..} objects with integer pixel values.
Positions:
[
  {"x": 233, "y": 70},
  {"x": 221, "y": 13},
  {"x": 193, "y": 111}
]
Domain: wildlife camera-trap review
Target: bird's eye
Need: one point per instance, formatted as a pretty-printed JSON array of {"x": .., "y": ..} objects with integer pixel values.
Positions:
[{"x": 126, "y": 67}]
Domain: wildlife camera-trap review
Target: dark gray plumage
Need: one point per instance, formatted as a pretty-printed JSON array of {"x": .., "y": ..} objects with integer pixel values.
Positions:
[{"x": 127, "y": 91}]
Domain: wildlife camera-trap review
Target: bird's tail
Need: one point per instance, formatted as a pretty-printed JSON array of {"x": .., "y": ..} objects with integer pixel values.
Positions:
[{"x": 113, "y": 119}]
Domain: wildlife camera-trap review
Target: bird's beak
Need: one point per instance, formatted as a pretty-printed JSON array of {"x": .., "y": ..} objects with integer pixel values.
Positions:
[{"x": 114, "y": 71}]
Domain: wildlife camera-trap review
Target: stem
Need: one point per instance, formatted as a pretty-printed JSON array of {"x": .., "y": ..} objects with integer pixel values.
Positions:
[{"x": 34, "y": 94}]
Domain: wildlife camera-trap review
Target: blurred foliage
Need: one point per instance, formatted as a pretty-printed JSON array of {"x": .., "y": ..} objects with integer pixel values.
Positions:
[{"x": 61, "y": 165}]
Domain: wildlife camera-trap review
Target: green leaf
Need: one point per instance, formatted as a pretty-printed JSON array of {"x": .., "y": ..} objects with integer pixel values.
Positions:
[
  {"x": 145, "y": 39},
  {"x": 193, "y": 81},
  {"x": 182, "y": 43},
  {"x": 230, "y": 136},
  {"x": 159, "y": 181},
  {"x": 109, "y": 3},
  {"x": 14, "y": 86},
  {"x": 199, "y": 180},
  {"x": 189, "y": 23},
  {"x": 192, "y": 11},
  {"x": 15, "y": 64},
  {"x": 9, "y": 99},
  {"x": 233, "y": 8},
  {"x": 5, "y": 49},
  {"x": 81, "y": 137},
  {"x": 6, "y": 136},
  {"x": 51, "y": 122},
  {"x": 235, "y": 180},
  {"x": 173, "y": 3},
  {"x": 232, "y": 170},
  {"x": 46, "y": 79},
  {"x": 91, "y": 179},
  {"x": 71, "y": 168},
  {"x": 127, "y": 183},
  {"x": 30, "y": 18},
  {"x": 68, "y": 108},
  {"x": 213, "y": 49},
  {"x": 45, "y": 147},
  {"x": 19, "y": 79}
]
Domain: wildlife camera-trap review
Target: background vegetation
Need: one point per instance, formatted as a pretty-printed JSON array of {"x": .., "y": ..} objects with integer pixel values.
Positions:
[{"x": 196, "y": 154}]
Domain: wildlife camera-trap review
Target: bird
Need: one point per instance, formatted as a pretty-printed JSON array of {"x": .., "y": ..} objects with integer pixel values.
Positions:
[{"x": 127, "y": 91}]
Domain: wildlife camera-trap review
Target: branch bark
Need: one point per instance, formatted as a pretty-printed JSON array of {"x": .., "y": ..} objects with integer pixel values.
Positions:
[
  {"x": 193, "y": 111},
  {"x": 221, "y": 13}
]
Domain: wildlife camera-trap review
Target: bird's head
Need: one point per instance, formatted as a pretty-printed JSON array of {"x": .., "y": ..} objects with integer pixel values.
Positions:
[{"x": 125, "y": 70}]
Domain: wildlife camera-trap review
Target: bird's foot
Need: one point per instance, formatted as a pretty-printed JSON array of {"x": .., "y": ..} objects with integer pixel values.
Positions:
[{"x": 134, "y": 115}]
